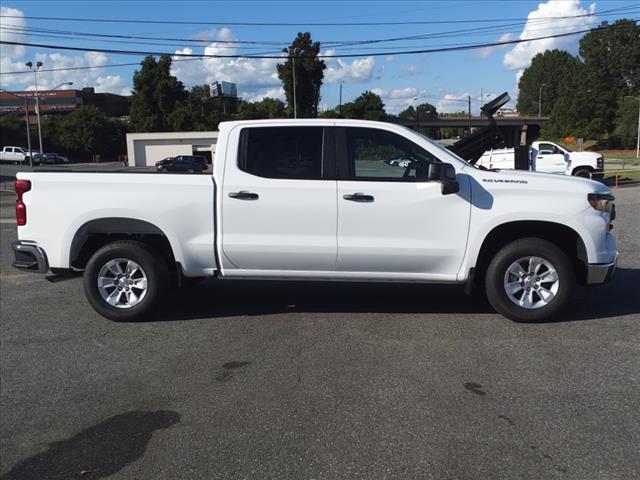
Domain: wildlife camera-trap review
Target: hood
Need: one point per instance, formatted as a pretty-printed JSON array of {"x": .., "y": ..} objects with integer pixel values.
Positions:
[
  {"x": 547, "y": 183},
  {"x": 585, "y": 156}
]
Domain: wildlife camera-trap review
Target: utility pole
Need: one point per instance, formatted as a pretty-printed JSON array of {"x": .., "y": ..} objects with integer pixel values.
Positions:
[
  {"x": 469, "y": 100},
  {"x": 540, "y": 100},
  {"x": 638, "y": 140},
  {"x": 293, "y": 71},
  {"x": 340, "y": 103},
  {"x": 481, "y": 99}
]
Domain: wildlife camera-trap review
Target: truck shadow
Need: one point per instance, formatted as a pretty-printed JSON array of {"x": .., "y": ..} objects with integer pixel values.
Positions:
[{"x": 228, "y": 298}]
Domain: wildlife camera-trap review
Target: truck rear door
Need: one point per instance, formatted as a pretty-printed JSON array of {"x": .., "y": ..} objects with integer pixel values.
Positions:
[{"x": 279, "y": 203}]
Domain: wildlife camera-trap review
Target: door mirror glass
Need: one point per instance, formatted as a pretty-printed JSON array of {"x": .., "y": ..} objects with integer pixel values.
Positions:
[{"x": 444, "y": 173}]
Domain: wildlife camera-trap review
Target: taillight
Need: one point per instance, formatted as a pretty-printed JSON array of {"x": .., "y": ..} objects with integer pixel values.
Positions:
[{"x": 21, "y": 187}]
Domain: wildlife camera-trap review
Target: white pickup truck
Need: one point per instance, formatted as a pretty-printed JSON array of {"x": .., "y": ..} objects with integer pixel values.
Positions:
[
  {"x": 320, "y": 200},
  {"x": 548, "y": 157},
  {"x": 15, "y": 155}
]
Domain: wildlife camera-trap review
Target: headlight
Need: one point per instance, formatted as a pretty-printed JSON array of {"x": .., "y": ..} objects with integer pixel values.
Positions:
[{"x": 601, "y": 201}]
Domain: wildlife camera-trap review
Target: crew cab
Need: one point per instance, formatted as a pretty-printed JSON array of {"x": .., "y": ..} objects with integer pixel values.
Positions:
[
  {"x": 319, "y": 200},
  {"x": 548, "y": 157},
  {"x": 14, "y": 154}
]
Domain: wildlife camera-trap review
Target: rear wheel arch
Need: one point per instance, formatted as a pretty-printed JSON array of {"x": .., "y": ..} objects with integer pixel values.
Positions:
[
  {"x": 95, "y": 234},
  {"x": 564, "y": 237}
]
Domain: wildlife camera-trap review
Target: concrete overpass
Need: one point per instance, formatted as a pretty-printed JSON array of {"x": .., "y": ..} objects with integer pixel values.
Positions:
[{"x": 462, "y": 121}]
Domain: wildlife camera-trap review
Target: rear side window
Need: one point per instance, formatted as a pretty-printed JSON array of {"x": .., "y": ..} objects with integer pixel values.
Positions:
[{"x": 282, "y": 152}]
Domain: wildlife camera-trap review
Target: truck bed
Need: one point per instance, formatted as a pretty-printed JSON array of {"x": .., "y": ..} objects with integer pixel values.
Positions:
[{"x": 181, "y": 206}]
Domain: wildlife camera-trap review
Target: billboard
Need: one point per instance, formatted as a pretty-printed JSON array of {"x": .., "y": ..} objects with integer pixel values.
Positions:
[{"x": 224, "y": 89}]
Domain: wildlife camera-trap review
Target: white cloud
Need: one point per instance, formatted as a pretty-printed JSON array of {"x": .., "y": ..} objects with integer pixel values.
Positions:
[
  {"x": 359, "y": 70},
  {"x": 249, "y": 74},
  {"x": 519, "y": 57},
  {"x": 398, "y": 99},
  {"x": 9, "y": 32},
  {"x": 412, "y": 69},
  {"x": 451, "y": 103},
  {"x": 12, "y": 60},
  {"x": 277, "y": 93},
  {"x": 483, "y": 53}
]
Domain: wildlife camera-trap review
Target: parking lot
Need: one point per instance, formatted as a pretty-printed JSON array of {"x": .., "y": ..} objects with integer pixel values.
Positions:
[{"x": 238, "y": 380}]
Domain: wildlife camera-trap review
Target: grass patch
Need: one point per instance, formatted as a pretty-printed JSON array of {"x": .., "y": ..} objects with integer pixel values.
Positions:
[{"x": 633, "y": 175}]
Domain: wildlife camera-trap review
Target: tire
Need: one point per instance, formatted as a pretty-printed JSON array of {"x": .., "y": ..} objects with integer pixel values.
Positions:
[
  {"x": 164, "y": 170},
  {"x": 123, "y": 305},
  {"x": 582, "y": 172},
  {"x": 545, "y": 299}
]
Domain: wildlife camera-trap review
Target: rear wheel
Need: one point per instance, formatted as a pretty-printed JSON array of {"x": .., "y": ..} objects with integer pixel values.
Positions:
[
  {"x": 125, "y": 280},
  {"x": 530, "y": 280}
]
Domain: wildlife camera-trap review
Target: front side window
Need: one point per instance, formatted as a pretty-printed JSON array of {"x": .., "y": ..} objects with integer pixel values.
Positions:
[
  {"x": 282, "y": 152},
  {"x": 548, "y": 149},
  {"x": 379, "y": 155}
]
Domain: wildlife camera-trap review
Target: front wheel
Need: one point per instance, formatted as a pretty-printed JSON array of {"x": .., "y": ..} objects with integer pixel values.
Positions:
[
  {"x": 125, "y": 280},
  {"x": 582, "y": 172},
  {"x": 530, "y": 280}
]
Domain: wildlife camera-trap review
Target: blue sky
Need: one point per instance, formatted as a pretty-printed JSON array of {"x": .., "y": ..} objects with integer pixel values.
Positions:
[{"x": 439, "y": 78}]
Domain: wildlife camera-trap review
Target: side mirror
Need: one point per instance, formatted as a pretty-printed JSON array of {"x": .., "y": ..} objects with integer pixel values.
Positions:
[{"x": 446, "y": 175}]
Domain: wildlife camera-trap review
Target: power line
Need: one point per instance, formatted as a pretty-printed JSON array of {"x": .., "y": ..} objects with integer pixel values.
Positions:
[
  {"x": 298, "y": 24},
  {"x": 339, "y": 55},
  {"x": 478, "y": 31}
]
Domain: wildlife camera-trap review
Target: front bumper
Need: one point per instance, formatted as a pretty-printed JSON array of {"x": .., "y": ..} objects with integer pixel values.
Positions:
[
  {"x": 30, "y": 256},
  {"x": 601, "y": 272}
]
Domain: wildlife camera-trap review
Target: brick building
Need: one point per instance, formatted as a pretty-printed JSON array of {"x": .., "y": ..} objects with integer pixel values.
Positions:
[{"x": 64, "y": 101}]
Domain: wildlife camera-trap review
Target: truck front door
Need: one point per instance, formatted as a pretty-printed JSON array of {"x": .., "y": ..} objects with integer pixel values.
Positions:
[
  {"x": 390, "y": 219},
  {"x": 279, "y": 202},
  {"x": 548, "y": 158}
]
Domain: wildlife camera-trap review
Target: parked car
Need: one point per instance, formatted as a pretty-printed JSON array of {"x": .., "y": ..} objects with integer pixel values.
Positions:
[
  {"x": 16, "y": 155},
  {"x": 402, "y": 162},
  {"x": 49, "y": 159},
  {"x": 299, "y": 199},
  {"x": 548, "y": 157},
  {"x": 182, "y": 163},
  {"x": 54, "y": 158}
]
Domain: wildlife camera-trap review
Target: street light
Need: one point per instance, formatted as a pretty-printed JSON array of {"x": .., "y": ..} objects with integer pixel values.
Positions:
[
  {"x": 35, "y": 76},
  {"x": 26, "y": 112},
  {"x": 540, "y": 99},
  {"x": 417, "y": 114},
  {"x": 638, "y": 141}
]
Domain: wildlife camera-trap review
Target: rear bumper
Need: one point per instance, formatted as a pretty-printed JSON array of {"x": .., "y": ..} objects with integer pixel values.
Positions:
[
  {"x": 29, "y": 256},
  {"x": 601, "y": 272}
]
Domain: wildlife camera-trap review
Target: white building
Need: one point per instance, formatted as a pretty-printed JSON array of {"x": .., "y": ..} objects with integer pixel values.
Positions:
[{"x": 147, "y": 148}]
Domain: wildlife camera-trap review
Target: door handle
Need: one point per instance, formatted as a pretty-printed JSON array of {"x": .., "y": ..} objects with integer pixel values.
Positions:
[
  {"x": 359, "y": 197},
  {"x": 244, "y": 195}
]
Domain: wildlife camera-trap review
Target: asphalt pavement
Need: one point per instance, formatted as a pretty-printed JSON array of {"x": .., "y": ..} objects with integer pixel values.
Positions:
[{"x": 247, "y": 380}]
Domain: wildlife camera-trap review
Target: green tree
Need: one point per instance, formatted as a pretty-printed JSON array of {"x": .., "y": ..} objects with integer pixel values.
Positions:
[
  {"x": 625, "y": 133},
  {"x": 612, "y": 60},
  {"x": 550, "y": 69},
  {"x": 13, "y": 131},
  {"x": 309, "y": 72},
  {"x": 367, "y": 106},
  {"x": 87, "y": 131},
  {"x": 156, "y": 93}
]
